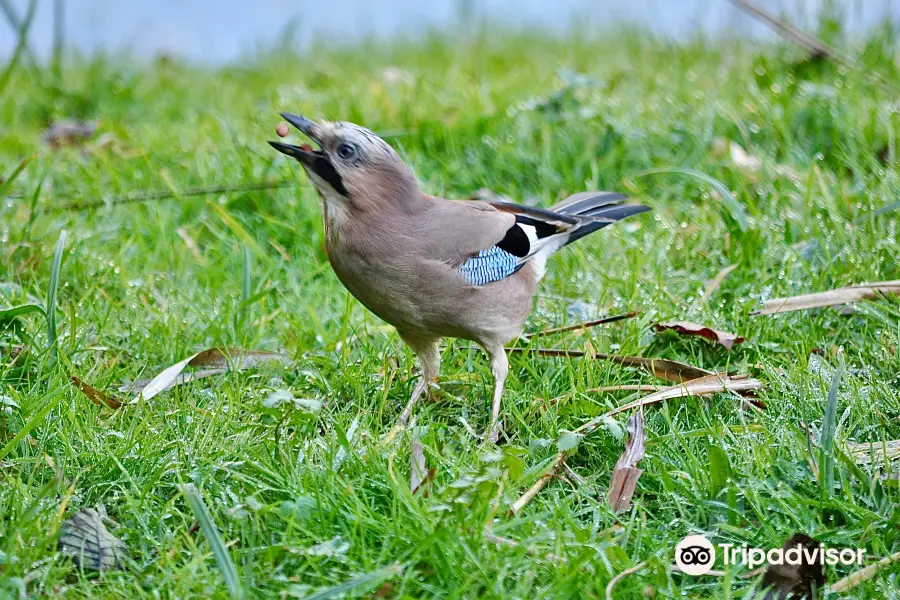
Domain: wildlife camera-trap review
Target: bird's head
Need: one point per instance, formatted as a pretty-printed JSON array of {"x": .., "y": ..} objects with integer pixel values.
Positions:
[{"x": 352, "y": 165}]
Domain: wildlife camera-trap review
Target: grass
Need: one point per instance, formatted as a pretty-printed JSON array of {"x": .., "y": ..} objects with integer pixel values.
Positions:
[{"x": 304, "y": 502}]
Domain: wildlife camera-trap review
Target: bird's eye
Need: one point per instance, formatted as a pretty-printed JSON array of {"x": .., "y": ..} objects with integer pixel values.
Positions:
[{"x": 346, "y": 151}]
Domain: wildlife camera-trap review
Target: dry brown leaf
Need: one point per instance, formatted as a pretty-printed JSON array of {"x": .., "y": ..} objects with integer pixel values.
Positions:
[
  {"x": 136, "y": 386},
  {"x": 703, "y": 386},
  {"x": 728, "y": 340},
  {"x": 628, "y": 387},
  {"x": 854, "y": 579},
  {"x": 68, "y": 132},
  {"x": 662, "y": 368},
  {"x": 586, "y": 324},
  {"x": 626, "y": 474},
  {"x": 212, "y": 357},
  {"x": 418, "y": 471},
  {"x": 783, "y": 581},
  {"x": 96, "y": 396},
  {"x": 749, "y": 163},
  {"x": 874, "y": 452},
  {"x": 716, "y": 282},
  {"x": 85, "y": 539},
  {"x": 834, "y": 297}
]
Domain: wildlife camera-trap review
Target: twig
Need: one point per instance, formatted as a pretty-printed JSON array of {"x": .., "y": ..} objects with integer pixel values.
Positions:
[
  {"x": 630, "y": 387},
  {"x": 160, "y": 195},
  {"x": 504, "y": 541},
  {"x": 814, "y": 45},
  {"x": 662, "y": 368},
  {"x": 854, "y": 579},
  {"x": 612, "y": 582},
  {"x": 539, "y": 484},
  {"x": 587, "y": 324}
]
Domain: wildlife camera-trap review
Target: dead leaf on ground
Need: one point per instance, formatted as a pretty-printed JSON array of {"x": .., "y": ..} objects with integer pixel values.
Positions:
[
  {"x": 68, "y": 132},
  {"x": 85, "y": 539},
  {"x": 795, "y": 581},
  {"x": 626, "y": 474},
  {"x": 725, "y": 339},
  {"x": 96, "y": 396},
  {"x": 715, "y": 283},
  {"x": 704, "y": 386},
  {"x": 136, "y": 386},
  {"x": 419, "y": 473},
  {"x": 834, "y": 297},
  {"x": 741, "y": 158},
  {"x": 216, "y": 358},
  {"x": 874, "y": 452},
  {"x": 662, "y": 368}
]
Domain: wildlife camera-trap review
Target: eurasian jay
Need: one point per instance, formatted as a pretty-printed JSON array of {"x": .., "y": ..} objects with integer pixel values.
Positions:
[{"x": 435, "y": 268}]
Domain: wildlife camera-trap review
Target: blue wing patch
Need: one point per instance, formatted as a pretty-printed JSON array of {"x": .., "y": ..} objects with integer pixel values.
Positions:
[{"x": 489, "y": 265}]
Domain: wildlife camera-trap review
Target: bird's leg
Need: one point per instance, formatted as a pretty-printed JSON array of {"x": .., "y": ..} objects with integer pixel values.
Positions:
[
  {"x": 428, "y": 353},
  {"x": 499, "y": 368}
]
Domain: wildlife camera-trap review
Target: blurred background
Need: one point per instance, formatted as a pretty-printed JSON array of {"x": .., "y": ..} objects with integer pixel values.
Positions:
[{"x": 218, "y": 32}]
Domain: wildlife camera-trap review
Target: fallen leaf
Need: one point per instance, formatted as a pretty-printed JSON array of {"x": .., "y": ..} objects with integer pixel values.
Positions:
[
  {"x": 68, "y": 132},
  {"x": 662, "y": 368},
  {"x": 728, "y": 340},
  {"x": 746, "y": 161},
  {"x": 703, "y": 386},
  {"x": 626, "y": 474},
  {"x": 783, "y": 581},
  {"x": 211, "y": 357},
  {"x": 418, "y": 471},
  {"x": 336, "y": 546},
  {"x": 834, "y": 297},
  {"x": 715, "y": 283},
  {"x": 138, "y": 385},
  {"x": 96, "y": 396},
  {"x": 568, "y": 441},
  {"x": 874, "y": 452},
  {"x": 85, "y": 539},
  {"x": 279, "y": 397}
]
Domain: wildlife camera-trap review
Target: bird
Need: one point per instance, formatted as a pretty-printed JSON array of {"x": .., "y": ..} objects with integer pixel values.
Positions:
[{"x": 435, "y": 268}]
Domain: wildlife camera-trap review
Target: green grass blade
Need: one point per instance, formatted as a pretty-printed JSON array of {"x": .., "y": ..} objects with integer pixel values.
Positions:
[
  {"x": 245, "y": 288},
  {"x": 211, "y": 533},
  {"x": 736, "y": 208},
  {"x": 826, "y": 443},
  {"x": 880, "y": 211},
  {"x": 51, "y": 294},
  {"x": 22, "y": 44},
  {"x": 366, "y": 580},
  {"x": 6, "y": 184},
  {"x": 719, "y": 471},
  {"x": 50, "y": 400},
  {"x": 8, "y": 314}
]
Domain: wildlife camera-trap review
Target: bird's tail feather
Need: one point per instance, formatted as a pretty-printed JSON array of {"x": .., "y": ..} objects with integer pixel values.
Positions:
[{"x": 595, "y": 210}]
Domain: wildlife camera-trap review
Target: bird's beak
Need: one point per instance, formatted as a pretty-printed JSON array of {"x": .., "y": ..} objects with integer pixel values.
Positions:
[
  {"x": 315, "y": 161},
  {"x": 305, "y": 153}
]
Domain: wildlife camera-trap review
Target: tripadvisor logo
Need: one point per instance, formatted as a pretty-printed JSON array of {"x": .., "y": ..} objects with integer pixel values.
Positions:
[{"x": 696, "y": 555}]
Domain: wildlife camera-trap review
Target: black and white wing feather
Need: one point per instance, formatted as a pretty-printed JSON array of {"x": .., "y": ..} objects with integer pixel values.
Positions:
[{"x": 538, "y": 233}]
